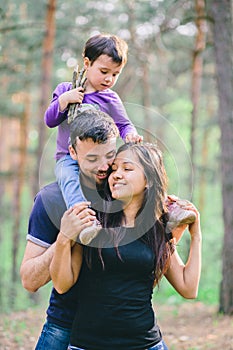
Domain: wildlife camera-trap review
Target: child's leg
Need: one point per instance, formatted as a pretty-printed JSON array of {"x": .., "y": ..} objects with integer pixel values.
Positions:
[{"x": 67, "y": 175}]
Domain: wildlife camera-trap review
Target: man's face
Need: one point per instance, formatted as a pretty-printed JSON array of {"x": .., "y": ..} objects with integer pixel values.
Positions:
[{"x": 94, "y": 159}]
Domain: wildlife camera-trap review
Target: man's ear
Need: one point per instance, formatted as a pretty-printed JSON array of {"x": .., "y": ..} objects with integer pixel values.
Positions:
[{"x": 73, "y": 152}]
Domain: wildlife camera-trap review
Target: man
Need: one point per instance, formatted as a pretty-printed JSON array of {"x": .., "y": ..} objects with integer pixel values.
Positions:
[{"x": 93, "y": 139}]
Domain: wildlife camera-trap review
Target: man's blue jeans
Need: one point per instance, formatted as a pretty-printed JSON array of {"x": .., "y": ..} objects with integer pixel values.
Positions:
[
  {"x": 160, "y": 346},
  {"x": 53, "y": 337}
]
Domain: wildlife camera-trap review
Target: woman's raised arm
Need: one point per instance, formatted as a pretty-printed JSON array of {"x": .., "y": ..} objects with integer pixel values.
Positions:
[{"x": 185, "y": 277}]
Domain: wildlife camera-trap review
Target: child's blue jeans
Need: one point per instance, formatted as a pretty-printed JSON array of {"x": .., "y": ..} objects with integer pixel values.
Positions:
[{"x": 67, "y": 175}]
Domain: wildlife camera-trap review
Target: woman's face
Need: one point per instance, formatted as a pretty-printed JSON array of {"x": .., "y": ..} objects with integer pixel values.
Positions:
[{"x": 127, "y": 181}]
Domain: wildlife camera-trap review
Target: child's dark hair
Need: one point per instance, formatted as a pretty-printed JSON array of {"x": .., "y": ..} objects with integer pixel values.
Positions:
[{"x": 106, "y": 44}]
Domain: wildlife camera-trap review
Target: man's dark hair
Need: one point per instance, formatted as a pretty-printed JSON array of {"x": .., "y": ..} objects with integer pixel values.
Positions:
[{"x": 93, "y": 124}]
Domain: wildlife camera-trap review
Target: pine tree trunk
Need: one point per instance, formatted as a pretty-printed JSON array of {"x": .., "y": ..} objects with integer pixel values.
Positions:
[
  {"x": 146, "y": 101},
  {"x": 222, "y": 19},
  {"x": 18, "y": 184},
  {"x": 202, "y": 186},
  {"x": 46, "y": 74},
  {"x": 197, "y": 69},
  {"x": 142, "y": 62}
]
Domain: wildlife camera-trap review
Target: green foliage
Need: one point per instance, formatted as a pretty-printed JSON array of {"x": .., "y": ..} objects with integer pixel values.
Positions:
[
  {"x": 212, "y": 230},
  {"x": 12, "y": 295}
]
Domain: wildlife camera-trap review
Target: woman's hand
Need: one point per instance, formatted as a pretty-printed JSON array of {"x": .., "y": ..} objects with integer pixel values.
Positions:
[
  {"x": 195, "y": 227},
  {"x": 76, "y": 219},
  {"x": 184, "y": 277}
]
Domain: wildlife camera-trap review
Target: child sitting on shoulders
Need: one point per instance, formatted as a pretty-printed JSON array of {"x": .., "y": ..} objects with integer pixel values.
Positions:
[{"x": 104, "y": 57}]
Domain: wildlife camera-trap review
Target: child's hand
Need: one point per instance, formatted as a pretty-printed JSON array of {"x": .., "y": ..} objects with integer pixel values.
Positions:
[
  {"x": 75, "y": 95},
  {"x": 133, "y": 138},
  {"x": 71, "y": 96}
]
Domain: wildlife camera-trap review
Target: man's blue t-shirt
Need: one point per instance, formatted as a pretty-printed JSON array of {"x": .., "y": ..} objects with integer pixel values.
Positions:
[
  {"x": 135, "y": 269},
  {"x": 44, "y": 224}
]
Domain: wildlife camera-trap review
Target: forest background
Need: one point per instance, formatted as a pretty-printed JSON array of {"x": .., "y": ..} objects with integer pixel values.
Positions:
[{"x": 177, "y": 88}]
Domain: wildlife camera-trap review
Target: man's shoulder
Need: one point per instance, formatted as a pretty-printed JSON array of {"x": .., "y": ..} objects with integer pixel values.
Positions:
[
  {"x": 50, "y": 199},
  {"x": 51, "y": 191}
]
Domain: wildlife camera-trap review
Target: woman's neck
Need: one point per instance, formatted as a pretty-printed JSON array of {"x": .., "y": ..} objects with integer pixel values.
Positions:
[{"x": 130, "y": 211}]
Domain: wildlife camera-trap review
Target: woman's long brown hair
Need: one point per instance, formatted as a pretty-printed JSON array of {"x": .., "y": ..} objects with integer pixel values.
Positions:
[{"x": 152, "y": 216}]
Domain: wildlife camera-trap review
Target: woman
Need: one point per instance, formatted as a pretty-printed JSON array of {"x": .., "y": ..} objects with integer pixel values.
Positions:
[{"x": 117, "y": 274}]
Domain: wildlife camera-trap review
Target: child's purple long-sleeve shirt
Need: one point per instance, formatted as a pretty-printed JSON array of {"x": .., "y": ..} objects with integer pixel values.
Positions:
[{"x": 108, "y": 102}]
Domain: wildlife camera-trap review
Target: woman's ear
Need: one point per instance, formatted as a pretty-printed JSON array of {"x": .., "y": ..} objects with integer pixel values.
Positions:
[{"x": 148, "y": 184}]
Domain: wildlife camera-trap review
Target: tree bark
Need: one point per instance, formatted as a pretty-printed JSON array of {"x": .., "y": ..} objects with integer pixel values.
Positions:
[
  {"x": 46, "y": 74},
  {"x": 18, "y": 184},
  {"x": 146, "y": 101},
  {"x": 142, "y": 62},
  {"x": 197, "y": 71},
  {"x": 222, "y": 28},
  {"x": 205, "y": 152}
]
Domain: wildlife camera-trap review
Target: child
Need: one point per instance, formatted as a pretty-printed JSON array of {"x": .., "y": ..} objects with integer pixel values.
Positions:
[{"x": 104, "y": 57}]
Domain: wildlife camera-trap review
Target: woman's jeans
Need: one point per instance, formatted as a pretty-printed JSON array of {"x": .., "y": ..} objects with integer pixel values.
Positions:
[
  {"x": 53, "y": 337},
  {"x": 160, "y": 346}
]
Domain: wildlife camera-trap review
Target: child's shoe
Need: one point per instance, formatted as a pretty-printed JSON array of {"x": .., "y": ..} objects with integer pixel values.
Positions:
[
  {"x": 177, "y": 214},
  {"x": 89, "y": 233}
]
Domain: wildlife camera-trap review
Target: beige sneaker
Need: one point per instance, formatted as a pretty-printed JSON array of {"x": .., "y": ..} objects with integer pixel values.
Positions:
[
  {"x": 177, "y": 214},
  {"x": 89, "y": 233}
]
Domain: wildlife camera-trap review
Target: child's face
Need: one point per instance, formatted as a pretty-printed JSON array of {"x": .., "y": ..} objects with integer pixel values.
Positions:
[{"x": 102, "y": 74}]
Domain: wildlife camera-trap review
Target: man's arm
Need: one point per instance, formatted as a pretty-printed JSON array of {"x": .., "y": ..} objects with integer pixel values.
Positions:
[
  {"x": 42, "y": 233},
  {"x": 34, "y": 270}
]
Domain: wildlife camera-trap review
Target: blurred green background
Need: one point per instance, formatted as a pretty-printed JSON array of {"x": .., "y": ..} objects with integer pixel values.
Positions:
[{"x": 156, "y": 87}]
